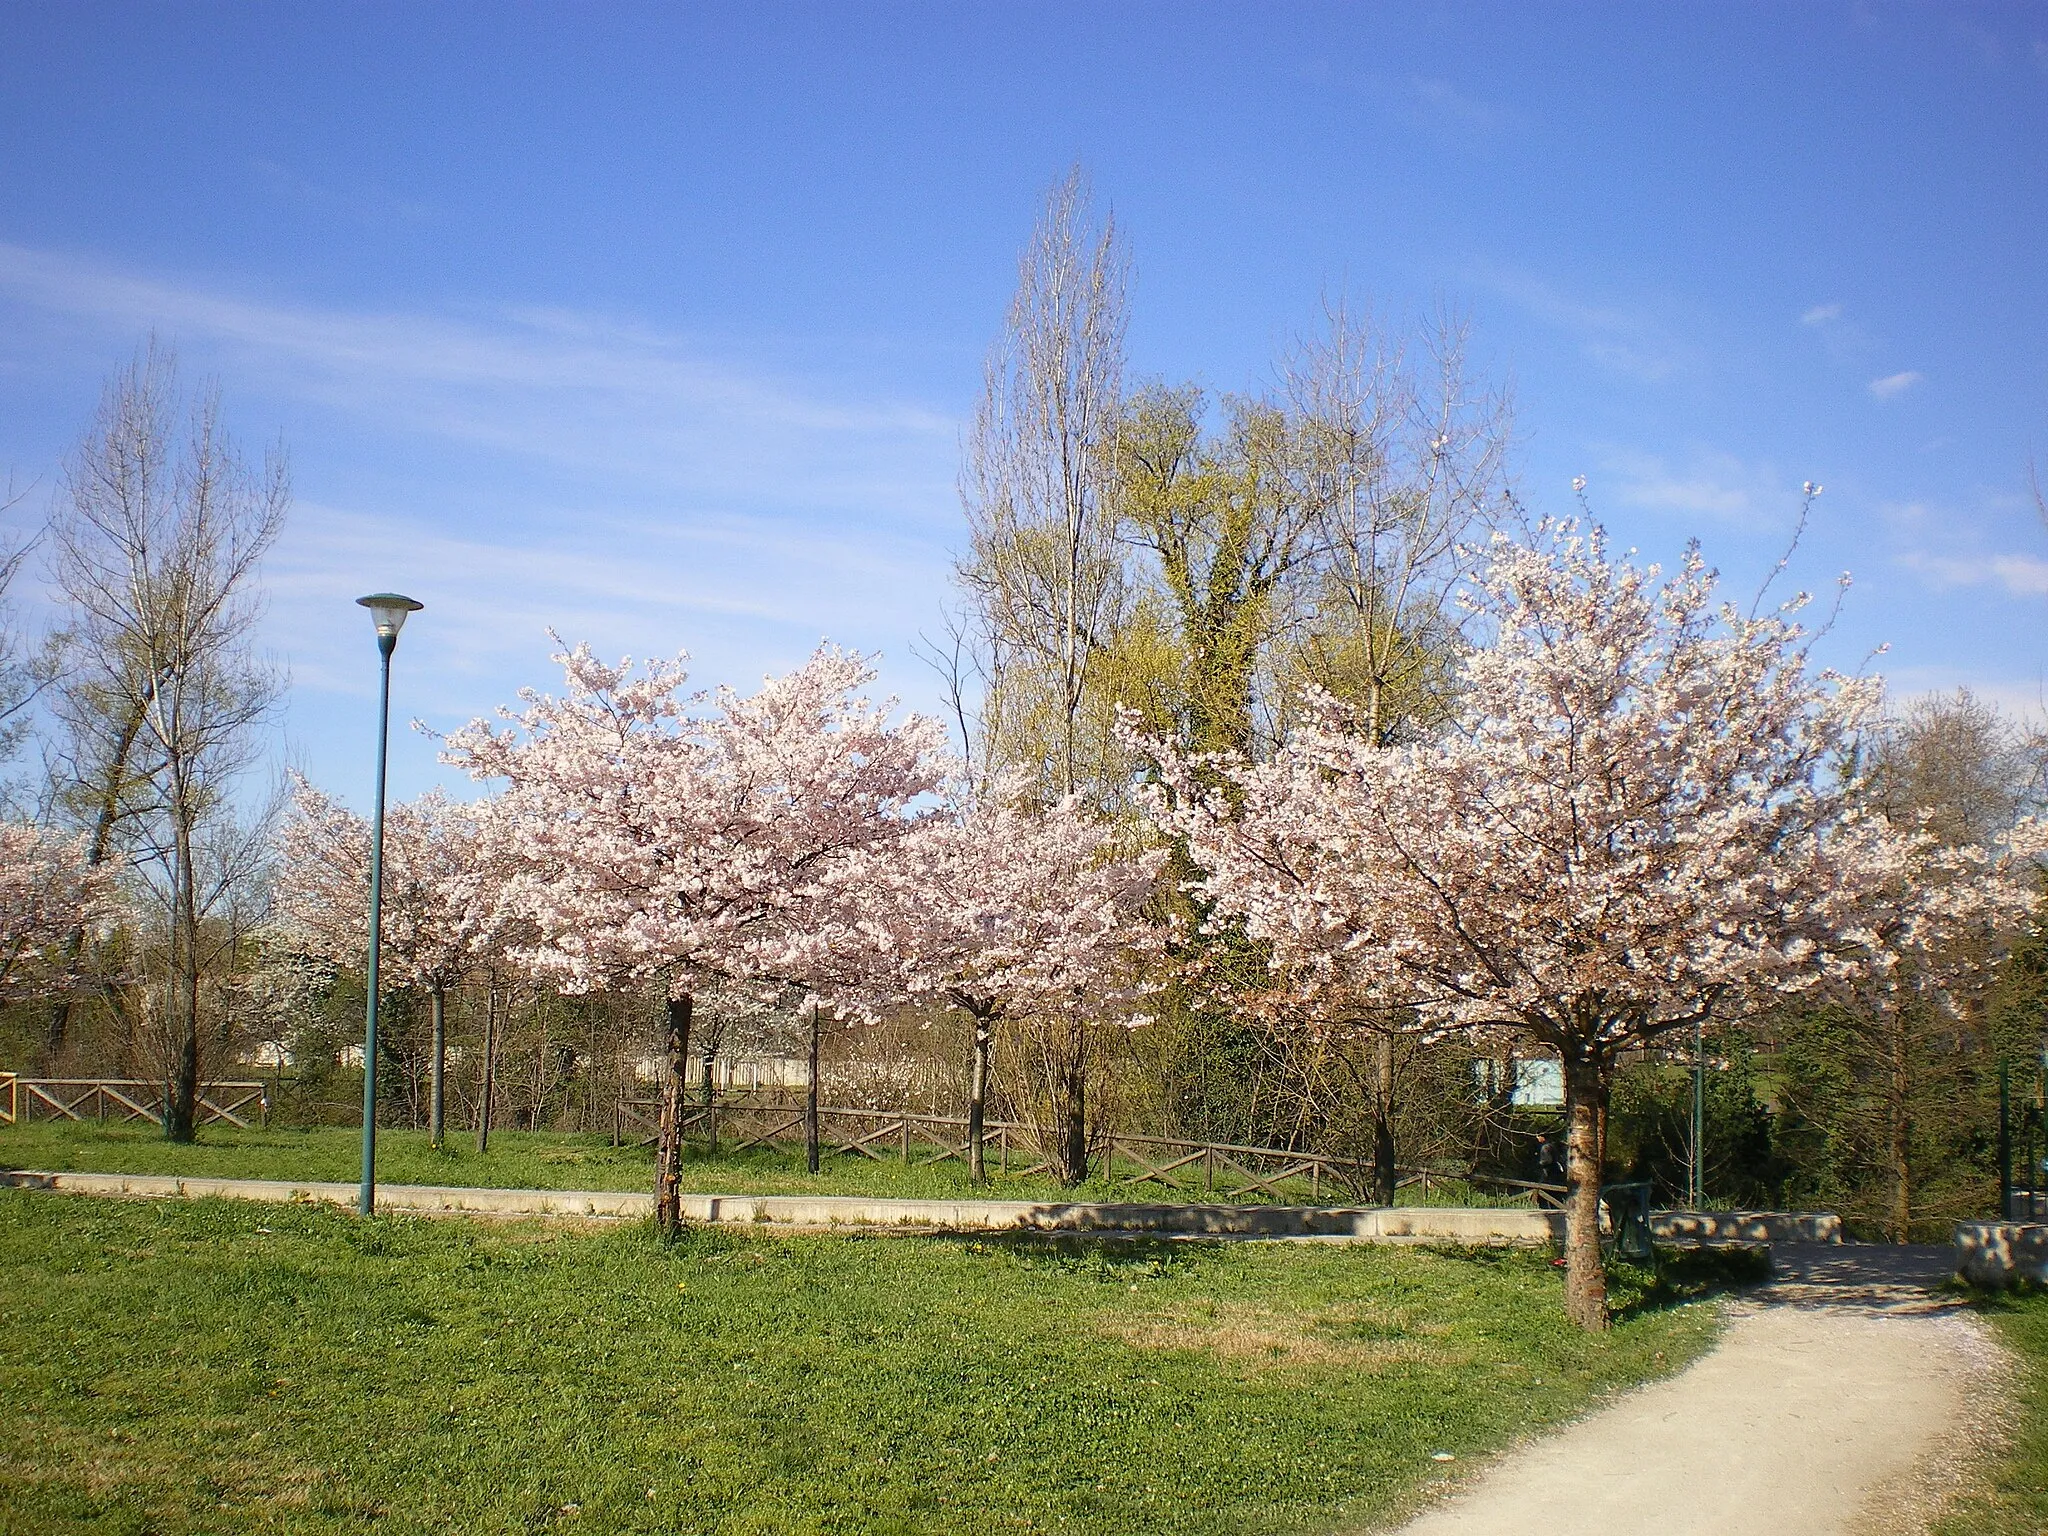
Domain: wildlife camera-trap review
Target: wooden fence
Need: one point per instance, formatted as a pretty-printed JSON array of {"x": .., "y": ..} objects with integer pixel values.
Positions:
[
  {"x": 124, "y": 1099},
  {"x": 739, "y": 1122},
  {"x": 1214, "y": 1168}
]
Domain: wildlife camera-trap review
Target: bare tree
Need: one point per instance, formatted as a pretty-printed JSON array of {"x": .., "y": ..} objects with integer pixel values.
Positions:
[
  {"x": 26, "y": 666},
  {"x": 1407, "y": 460},
  {"x": 157, "y": 535},
  {"x": 1044, "y": 575}
]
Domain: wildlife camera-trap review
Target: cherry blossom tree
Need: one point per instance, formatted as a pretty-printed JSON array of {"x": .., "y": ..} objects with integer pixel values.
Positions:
[
  {"x": 686, "y": 838},
  {"x": 1638, "y": 823},
  {"x": 48, "y": 891},
  {"x": 440, "y": 912},
  {"x": 1009, "y": 910},
  {"x": 1943, "y": 926}
]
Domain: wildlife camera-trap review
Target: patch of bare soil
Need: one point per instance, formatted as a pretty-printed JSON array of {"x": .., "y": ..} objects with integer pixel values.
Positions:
[{"x": 1266, "y": 1337}]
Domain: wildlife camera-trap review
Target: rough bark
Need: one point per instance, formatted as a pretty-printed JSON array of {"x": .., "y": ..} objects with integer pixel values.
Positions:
[
  {"x": 811, "y": 1096},
  {"x": 977, "y": 1099},
  {"x": 488, "y": 1088},
  {"x": 1585, "y": 1278},
  {"x": 1074, "y": 1154},
  {"x": 437, "y": 1108},
  {"x": 1386, "y": 1179},
  {"x": 106, "y": 816},
  {"x": 668, "y": 1155},
  {"x": 181, "y": 1107}
]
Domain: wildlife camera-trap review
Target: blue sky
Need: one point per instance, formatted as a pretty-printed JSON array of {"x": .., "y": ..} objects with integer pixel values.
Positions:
[{"x": 660, "y": 325}]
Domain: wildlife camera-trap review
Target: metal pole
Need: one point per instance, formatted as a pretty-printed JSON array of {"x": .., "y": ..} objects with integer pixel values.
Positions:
[
  {"x": 366, "y": 1199},
  {"x": 2004, "y": 1139},
  {"x": 1698, "y": 1193}
]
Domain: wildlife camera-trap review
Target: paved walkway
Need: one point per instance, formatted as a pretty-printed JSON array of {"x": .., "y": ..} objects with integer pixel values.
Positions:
[{"x": 1834, "y": 1402}]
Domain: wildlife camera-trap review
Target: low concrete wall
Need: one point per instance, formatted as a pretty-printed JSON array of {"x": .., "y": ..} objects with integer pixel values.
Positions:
[
  {"x": 2002, "y": 1252},
  {"x": 1746, "y": 1226},
  {"x": 1454, "y": 1224},
  {"x": 421, "y": 1198}
]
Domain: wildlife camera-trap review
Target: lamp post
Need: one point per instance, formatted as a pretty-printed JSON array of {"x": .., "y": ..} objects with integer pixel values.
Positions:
[
  {"x": 388, "y": 609},
  {"x": 1698, "y": 1193}
]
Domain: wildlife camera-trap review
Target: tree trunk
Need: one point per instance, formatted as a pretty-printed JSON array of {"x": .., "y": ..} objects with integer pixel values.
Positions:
[
  {"x": 811, "y": 1096},
  {"x": 1386, "y": 1178},
  {"x": 488, "y": 1088},
  {"x": 668, "y": 1154},
  {"x": 181, "y": 1109},
  {"x": 1074, "y": 1158},
  {"x": 1899, "y": 1127},
  {"x": 437, "y": 1108},
  {"x": 977, "y": 1100},
  {"x": 105, "y": 816},
  {"x": 1585, "y": 1279}
]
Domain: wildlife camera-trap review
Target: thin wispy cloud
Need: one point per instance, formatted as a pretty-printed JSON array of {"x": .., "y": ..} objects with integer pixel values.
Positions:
[
  {"x": 1443, "y": 104},
  {"x": 1821, "y": 314},
  {"x": 1893, "y": 385},
  {"x": 525, "y": 468},
  {"x": 361, "y": 205},
  {"x": 2020, "y": 698},
  {"x": 581, "y": 390},
  {"x": 1706, "y": 484},
  {"x": 1626, "y": 340},
  {"x": 687, "y": 579},
  {"x": 2018, "y": 575}
]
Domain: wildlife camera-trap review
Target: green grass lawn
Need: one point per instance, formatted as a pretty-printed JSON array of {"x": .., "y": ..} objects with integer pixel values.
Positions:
[
  {"x": 532, "y": 1160},
  {"x": 2013, "y": 1500},
  {"x": 212, "y": 1366}
]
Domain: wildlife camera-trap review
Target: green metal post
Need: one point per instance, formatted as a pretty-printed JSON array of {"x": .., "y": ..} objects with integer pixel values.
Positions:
[
  {"x": 2004, "y": 1139},
  {"x": 366, "y": 1198},
  {"x": 1698, "y": 1193}
]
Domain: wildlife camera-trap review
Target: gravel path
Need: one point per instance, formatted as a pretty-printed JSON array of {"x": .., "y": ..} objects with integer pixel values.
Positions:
[{"x": 1837, "y": 1400}]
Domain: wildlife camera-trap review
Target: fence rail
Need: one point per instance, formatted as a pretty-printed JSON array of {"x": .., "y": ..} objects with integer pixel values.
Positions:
[
  {"x": 124, "y": 1099},
  {"x": 738, "y": 1122},
  {"x": 1215, "y": 1168}
]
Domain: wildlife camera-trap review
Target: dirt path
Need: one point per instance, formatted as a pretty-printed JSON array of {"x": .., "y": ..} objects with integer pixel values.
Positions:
[{"x": 1836, "y": 1401}]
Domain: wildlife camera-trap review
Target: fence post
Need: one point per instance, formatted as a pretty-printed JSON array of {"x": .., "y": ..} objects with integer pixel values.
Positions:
[
  {"x": 906, "y": 1137},
  {"x": 1208, "y": 1170},
  {"x": 1315, "y": 1183}
]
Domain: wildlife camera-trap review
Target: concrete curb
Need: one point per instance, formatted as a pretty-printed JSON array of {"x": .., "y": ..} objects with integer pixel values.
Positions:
[{"x": 1449, "y": 1224}]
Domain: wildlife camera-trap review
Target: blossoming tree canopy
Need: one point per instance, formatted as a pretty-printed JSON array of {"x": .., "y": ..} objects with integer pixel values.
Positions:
[
  {"x": 658, "y": 832},
  {"x": 1637, "y": 821},
  {"x": 1006, "y": 909},
  {"x": 1002, "y": 907},
  {"x": 691, "y": 837},
  {"x": 437, "y": 900},
  {"x": 47, "y": 893}
]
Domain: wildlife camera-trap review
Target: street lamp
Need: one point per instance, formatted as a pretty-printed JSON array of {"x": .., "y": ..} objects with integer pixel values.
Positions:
[{"x": 388, "y": 609}]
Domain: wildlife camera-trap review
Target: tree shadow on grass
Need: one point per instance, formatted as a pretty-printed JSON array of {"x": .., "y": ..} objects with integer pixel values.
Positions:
[
  {"x": 1679, "y": 1275},
  {"x": 1108, "y": 1256}
]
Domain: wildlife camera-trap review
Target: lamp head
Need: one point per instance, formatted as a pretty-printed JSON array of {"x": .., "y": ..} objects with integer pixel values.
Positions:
[{"x": 388, "y": 609}]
